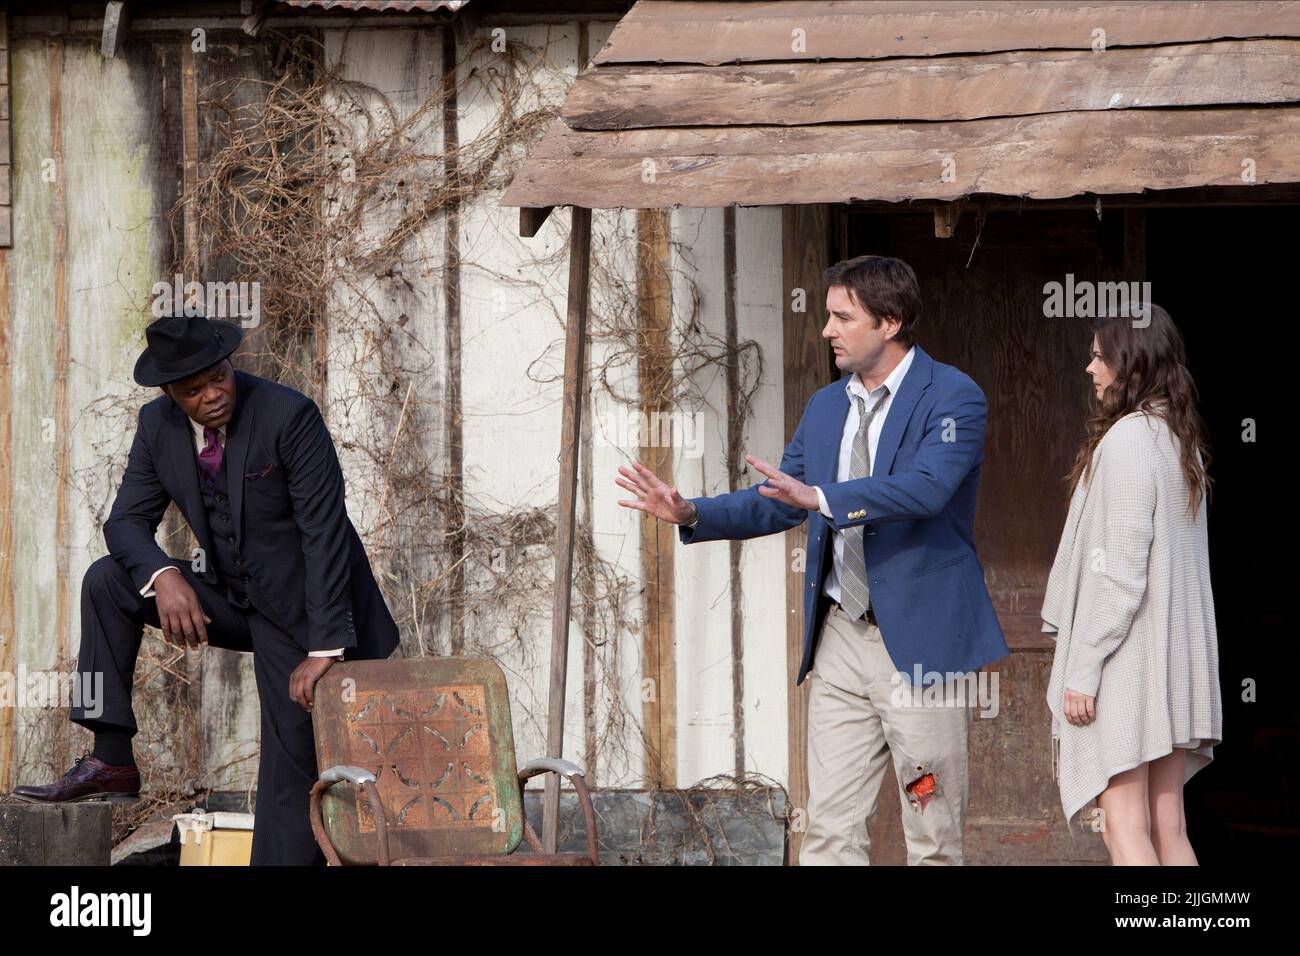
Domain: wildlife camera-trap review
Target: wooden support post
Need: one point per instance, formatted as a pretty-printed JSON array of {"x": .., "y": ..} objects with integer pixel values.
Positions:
[
  {"x": 658, "y": 538},
  {"x": 575, "y": 367},
  {"x": 8, "y": 654},
  {"x": 190, "y": 154},
  {"x": 946, "y": 218},
  {"x": 736, "y": 480},
  {"x": 452, "y": 423},
  {"x": 806, "y": 254}
]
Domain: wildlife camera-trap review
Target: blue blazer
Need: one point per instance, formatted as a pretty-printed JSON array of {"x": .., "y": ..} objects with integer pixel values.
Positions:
[{"x": 918, "y": 509}]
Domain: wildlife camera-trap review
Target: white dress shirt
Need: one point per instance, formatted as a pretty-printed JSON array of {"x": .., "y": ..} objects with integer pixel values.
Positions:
[
  {"x": 854, "y": 386},
  {"x": 199, "y": 443}
]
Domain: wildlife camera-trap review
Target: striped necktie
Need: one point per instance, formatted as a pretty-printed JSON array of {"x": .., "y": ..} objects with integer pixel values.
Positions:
[{"x": 855, "y": 596}]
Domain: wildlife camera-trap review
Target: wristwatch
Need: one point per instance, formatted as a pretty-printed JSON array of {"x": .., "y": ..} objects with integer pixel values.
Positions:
[{"x": 695, "y": 518}]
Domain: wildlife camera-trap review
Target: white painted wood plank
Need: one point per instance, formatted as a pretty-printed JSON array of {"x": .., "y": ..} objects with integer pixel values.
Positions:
[
  {"x": 705, "y": 746},
  {"x": 512, "y": 306},
  {"x": 764, "y": 560}
]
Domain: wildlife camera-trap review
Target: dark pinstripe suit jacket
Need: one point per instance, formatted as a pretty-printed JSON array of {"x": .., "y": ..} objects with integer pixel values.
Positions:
[{"x": 305, "y": 565}]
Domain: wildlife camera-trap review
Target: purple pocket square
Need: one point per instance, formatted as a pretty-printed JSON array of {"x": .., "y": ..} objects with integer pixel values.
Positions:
[{"x": 254, "y": 475}]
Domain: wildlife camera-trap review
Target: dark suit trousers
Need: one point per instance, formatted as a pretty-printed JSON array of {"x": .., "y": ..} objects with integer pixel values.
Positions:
[{"x": 113, "y": 615}]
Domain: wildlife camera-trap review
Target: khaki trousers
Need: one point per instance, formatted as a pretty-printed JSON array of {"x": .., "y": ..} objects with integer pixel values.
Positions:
[{"x": 859, "y": 715}]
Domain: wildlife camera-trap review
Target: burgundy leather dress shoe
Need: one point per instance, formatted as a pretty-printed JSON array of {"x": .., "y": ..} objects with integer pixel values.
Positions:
[{"x": 89, "y": 779}]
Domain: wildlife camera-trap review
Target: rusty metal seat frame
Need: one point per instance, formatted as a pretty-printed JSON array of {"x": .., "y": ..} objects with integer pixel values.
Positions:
[
  {"x": 367, "y": 786},
  {"x": 364, "y": 780}
]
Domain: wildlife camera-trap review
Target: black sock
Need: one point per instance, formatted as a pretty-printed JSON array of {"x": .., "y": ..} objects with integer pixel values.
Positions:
[{"x": 113, "y": 747}]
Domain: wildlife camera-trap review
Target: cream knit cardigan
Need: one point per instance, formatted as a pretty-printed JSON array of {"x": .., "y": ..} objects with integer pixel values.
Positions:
[{"x": 1129, "y": 597}]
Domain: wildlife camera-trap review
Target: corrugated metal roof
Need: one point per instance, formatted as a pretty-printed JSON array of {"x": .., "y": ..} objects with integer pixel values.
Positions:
[
  {"x": 370, "y": 6},
  {"x": 714, "y": 104}
]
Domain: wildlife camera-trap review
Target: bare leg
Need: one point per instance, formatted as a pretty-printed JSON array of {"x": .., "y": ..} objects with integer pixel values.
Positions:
[
  {"x": 1126, "y": 821},
  {"x": 1168, "y": 825}
]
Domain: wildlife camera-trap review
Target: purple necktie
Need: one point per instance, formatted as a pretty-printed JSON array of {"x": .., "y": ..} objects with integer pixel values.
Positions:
[{"x": 210, "y": 457}]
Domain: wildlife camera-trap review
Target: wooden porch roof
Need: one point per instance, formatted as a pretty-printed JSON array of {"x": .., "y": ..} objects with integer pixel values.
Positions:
[{"x": 761, "y": 103}]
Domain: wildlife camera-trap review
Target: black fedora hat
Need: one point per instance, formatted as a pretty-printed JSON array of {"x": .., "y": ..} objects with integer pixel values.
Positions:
[{"x": 180, "y": 345}]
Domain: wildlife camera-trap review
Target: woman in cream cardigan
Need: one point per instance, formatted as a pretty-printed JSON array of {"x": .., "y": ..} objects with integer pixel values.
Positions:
[{"x": 1134, "y": 690}]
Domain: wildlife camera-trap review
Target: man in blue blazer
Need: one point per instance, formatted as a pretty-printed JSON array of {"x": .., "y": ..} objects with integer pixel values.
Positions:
[{"x": 884, "y": 466}]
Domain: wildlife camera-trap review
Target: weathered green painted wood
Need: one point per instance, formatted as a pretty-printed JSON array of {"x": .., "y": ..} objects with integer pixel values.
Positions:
[{"x": 31, "y": 349}]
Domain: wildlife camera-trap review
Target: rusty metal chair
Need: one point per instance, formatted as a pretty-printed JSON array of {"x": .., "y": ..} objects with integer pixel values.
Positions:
[{"x": 420, "y": 768}]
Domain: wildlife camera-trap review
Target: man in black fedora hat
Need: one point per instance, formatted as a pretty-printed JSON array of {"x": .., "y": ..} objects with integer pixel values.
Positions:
[{"x": 280, "y": 570}]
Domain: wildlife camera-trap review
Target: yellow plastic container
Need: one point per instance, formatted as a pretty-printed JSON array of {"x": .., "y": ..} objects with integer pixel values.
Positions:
[{"x": 215, "y": 839}]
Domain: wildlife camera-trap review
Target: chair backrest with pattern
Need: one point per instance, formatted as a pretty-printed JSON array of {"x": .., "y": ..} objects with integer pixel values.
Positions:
[{"x": 435, "y": 732}]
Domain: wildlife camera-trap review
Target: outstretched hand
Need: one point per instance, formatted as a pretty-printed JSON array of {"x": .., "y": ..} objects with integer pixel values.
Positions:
[
  {"x": 654, "y": 497},
  {"x": 787, "y": 490}
]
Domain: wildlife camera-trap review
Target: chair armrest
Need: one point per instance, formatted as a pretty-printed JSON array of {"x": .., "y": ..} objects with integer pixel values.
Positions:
[
  {"x": 563, "y": 768},
  {"x": 354, "y": 775},
  {"x": 364, "y": 780}
]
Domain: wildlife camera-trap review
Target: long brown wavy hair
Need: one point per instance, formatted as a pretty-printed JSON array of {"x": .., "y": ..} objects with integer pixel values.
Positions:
[{"x": 1150, "y": 366}]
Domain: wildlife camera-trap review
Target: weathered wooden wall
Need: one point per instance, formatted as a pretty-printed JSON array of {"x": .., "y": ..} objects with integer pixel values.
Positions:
[{"x": 90, "y": 243}]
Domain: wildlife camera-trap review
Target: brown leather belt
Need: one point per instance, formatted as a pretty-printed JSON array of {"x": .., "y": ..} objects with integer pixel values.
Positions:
[{"x": 869, "y": 617}]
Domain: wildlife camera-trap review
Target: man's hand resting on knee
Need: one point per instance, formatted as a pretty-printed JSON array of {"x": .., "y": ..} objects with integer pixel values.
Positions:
[{"x": 180, "y": 615}]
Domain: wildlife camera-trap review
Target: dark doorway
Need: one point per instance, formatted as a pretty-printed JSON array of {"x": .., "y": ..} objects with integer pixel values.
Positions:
[
  {"x": 1224, "y": 275},
  {"x": 1221, "y": 275}
]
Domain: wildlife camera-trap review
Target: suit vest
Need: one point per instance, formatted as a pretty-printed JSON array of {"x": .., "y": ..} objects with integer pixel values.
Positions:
[{"x": 232, "y": 572}]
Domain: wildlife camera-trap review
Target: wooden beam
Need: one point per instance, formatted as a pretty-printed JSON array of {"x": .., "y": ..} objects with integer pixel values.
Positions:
[
  {"x": 936, "y": 88},
  {"x": 1047, "y": 156},
  {"x": 257, "y": 18},
  {"x": 531, "y": 219},
  {"x": 116, "y": 17},
  {"x": 806, "y": 254},
  {"x": 1264, "y": 194},
  {"x": 743, "y": 31},
  {"x": 575, "y": 367}
]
